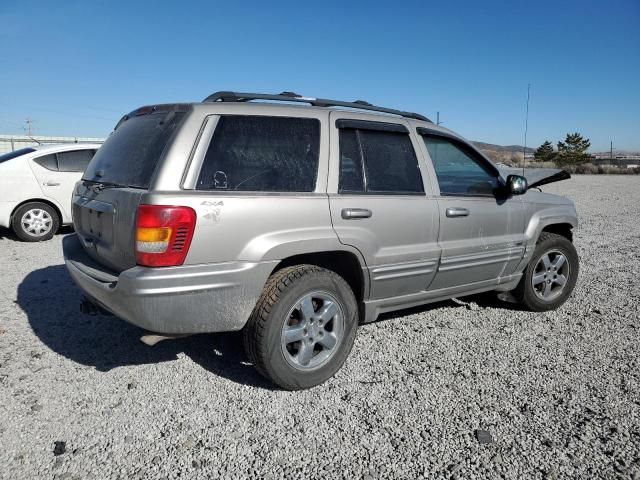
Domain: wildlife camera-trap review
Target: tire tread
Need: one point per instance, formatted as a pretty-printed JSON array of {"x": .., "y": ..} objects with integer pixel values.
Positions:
[{"x": 254, "y": 330}]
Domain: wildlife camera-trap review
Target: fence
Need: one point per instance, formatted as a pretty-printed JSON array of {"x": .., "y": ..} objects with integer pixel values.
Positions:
[{"x": 9, "y": 143}]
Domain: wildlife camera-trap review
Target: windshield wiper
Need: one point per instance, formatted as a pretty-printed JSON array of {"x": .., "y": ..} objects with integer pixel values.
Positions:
[{"x": 100, "y": 186}]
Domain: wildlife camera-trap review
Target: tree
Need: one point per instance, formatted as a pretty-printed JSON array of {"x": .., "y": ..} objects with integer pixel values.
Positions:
[
  {"x": 573, "y": 150},
  {"x": 544, "y": 153}
]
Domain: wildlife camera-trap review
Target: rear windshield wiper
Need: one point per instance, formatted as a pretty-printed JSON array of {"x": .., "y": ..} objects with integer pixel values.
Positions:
[{"x": 99, "y": 186}]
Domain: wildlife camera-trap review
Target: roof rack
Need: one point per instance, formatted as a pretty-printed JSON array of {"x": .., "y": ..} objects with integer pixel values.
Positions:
[{"x": 316, "y": 102}]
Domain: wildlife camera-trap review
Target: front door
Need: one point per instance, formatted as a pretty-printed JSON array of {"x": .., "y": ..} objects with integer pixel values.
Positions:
[
  {"x": 379, "y": 203},
  {"x": 481, "y": 228}
]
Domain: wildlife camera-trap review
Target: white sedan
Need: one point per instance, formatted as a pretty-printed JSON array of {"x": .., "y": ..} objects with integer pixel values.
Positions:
[{"x": 36, "y": 184}]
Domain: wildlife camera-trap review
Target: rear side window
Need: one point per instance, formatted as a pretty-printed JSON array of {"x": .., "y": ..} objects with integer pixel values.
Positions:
[
  {"x": 374, "y": 161},
  {"x": 264, "y": 154},
  {"x": 74, "y": 161},
  {"x": 459, "y": 171},
  {"x": 130, "y": 155},
  {"x": 48, "y": 161}
]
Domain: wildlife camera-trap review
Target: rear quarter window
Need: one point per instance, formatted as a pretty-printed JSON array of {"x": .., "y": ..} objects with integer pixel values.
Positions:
[
  {"x": 131, "y": 153},
  {"x": 48, "y": 161},
  {"x": 261, "y": 153},
  {"x": 75, "y": 160}
]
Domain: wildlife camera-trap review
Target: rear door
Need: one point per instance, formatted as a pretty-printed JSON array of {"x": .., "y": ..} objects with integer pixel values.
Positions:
[
  {"x": 481, "y": 228},
  {"x": 58, "y": 172},
  {"x": 379, "y": 203},
  {"x": 105, "y": 202}
]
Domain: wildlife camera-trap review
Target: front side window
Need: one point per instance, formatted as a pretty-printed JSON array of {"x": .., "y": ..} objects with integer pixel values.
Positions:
[
  {"x": 75, "y": 160},
  {"x": 264, "y": 154},
  {"x": 375, "y": 161},
  {"x": 458, "y": 171}
]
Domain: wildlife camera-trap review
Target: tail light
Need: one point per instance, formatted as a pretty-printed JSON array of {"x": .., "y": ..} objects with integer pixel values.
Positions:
[{"x": 163, "y": 234}]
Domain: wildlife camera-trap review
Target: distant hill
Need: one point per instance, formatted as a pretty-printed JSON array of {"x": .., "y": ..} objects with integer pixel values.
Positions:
[
  {"x": 501, "y": 148},
  {"x": 507, "y": 154}
]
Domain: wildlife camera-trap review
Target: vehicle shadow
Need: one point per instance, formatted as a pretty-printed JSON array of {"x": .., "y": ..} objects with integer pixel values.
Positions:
[
  {"x": 51, "y": 301},
  {"x": 8, "y": 233}
]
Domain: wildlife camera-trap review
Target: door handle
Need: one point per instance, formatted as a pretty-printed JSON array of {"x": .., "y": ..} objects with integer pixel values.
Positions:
[
  {"x": 457, "y": 212},
  {"x": 353, "y": 213},
  {"x": 51, "y": 183}
]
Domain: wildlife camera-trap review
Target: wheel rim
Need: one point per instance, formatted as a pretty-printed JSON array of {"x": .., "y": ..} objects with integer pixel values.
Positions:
[
  {"x": 551, "y": 275},
  {"x": 36, "y": 222},
  {"x": 312, "y": 331}
]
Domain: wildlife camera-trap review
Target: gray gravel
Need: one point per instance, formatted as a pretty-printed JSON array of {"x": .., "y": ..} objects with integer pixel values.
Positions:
[{"x": 459, "y": 389}]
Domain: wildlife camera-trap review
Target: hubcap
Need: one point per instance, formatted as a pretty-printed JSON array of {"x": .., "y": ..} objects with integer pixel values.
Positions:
[
  {"x": 313, "y": 331},
  {"x": 550, "y": 275},
  {"x": 36, "y": 222}
]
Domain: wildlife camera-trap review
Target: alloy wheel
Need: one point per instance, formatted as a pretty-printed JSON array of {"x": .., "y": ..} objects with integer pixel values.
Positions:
[
  {"x": 313, "y": 331},
  {"x": 550, "y": 275}
]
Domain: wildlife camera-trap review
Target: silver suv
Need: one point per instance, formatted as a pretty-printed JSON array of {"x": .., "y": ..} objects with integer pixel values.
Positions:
[{"x": 294, "y": 223}]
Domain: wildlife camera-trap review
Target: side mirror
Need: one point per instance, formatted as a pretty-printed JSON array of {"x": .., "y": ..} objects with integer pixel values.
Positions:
[{"x": 517, "y": 184}]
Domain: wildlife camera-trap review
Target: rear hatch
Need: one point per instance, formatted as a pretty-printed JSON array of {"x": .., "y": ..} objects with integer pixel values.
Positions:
[{"x": 105, "y": 201}]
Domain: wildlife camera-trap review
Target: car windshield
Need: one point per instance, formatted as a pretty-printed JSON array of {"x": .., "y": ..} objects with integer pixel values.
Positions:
[{"x": 15, "y": 154}]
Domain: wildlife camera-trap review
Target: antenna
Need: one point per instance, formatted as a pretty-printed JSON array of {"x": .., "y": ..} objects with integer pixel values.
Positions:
[
  {"x": 438, "y": 122},
  {"x": 526, "y": 127}
]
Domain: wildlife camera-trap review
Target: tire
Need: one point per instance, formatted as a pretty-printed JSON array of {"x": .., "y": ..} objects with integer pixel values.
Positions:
[
  {"x": 536, "y": 297},
  {"x": 286, "y": 358},
  {"x": 35, "y": 222}
]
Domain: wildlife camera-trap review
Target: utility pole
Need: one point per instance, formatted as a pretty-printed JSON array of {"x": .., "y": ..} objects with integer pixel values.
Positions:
[
  {"x": 611, "y": 151},
  {"x": 526, "y": 128},
  {"x": 29, "y": 123}
]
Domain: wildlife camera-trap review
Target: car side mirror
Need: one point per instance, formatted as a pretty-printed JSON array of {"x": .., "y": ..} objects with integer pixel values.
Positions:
[{"x": 517, "y": 184}]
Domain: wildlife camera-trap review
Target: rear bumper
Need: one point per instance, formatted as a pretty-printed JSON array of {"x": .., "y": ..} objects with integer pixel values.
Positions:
[
  {"x": 6, "y": 208},
  {"x": 172, "y": 300}
]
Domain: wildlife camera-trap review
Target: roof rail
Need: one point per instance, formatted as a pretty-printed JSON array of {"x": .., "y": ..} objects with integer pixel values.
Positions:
[{"x": 316, "y": 102}]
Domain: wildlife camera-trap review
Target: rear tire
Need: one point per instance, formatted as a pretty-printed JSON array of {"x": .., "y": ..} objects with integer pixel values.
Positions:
[
  {"x": 302, "y": 328},
  {"x": 550, "y": 276},
  {"x": 35, "y": 222}
]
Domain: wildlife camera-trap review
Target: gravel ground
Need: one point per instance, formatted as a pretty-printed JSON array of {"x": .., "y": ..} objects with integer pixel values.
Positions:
[{"x": 458, "y": 389}]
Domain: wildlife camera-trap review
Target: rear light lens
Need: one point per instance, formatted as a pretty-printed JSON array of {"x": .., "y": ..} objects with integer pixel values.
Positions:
[{"x": 163, "y": 234}]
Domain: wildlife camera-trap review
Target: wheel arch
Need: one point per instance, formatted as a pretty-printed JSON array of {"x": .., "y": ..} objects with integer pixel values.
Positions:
[
  {"x": 563, "y": 229},
  {"x": 345, "y": 263},
  {"x": 559, "y": 220}
]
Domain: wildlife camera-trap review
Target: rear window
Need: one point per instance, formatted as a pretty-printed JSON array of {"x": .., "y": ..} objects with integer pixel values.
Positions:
[
  {"x": 264, "y": 154},
  {"x": 389, "y": 162},
  {"x": 130, "y": 155},
  {"x": 15, "y": 154}
]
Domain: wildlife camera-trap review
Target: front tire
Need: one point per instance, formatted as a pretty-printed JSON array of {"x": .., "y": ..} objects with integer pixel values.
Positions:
[
  {"x": 551, "y": 274},
  {"x": 302, "y": 328},
  {"x": 35, "y": 222}
]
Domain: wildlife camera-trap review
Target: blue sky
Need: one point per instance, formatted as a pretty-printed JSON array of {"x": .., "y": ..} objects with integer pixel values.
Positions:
[{"x": 75, "y": 67}]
